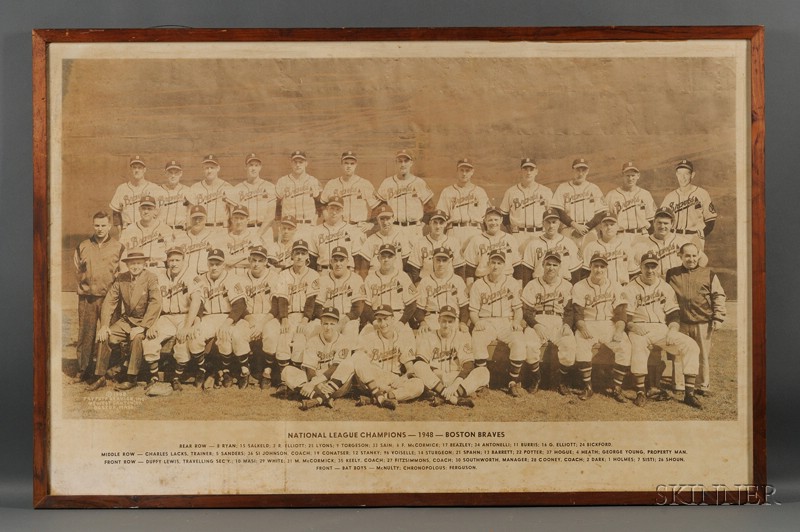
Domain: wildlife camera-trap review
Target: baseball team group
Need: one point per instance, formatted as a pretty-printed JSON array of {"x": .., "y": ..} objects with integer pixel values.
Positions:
[{"x": 389, "y": 295}]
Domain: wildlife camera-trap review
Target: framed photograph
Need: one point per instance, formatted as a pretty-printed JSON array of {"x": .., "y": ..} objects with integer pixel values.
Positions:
[{"x": 399, "y": 267}]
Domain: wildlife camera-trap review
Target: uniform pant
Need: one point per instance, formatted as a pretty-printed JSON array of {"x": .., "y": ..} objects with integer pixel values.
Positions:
[
  {"x": 88, "y": 315},
  {"x": 294, "y": 377},
  {"x": 270, "y": 330},
  {"x": 166, "y": 327},
  {"x": 238, "y": 343},
  {"x": 656, "y": 336},
  {"x": 535, "y": 344},
  {"x": 478, "y": 378},
  {"x": 290, "y": 345},
  {"x": 377, "y": 379},
  {"x": 498, "y": 329},
  {"x": 602, "y": 333},
  {"x": 701, "y": 334},
  {"x": 119, "y": 332}
]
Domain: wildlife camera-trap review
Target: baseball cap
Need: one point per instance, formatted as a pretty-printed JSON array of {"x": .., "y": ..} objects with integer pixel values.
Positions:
[
  {"x": 404, "y": 153},
  {"x": 629, "y": 166},
  {"x": 349, "y": 155},
  {"x": 608, "y": 215},
  {"x": 527, "y": 161},
  {"x": 438, "y": 213},
  {"x": 685, "y": 164},
  {"x": 210, "y": 159},
  {"x": 173, "y": 164},
  {"x": 259, "y": 250},
  {"x": 447, "y": 310},
  {"x": 442, "y": 252},
  {"x": 148, "y": 200},
  {"x": 136, "y": 159},
  {"x": 550, "y": 212},
  {"x": 288, "y": 219},
  {"x": 382, "y": 209},
  {"x": 336, "y": 200},
  {"x": 340, "y": 251},
  {"x": 650, "y": 257},
  {"x": 552, "y": 254},
  {"x": 196, "y": 211},
  {"x": 580, "y": 163},
  {"x": 330, "y": 312},
  {"x": 176, "y": 249},
  {"x": 464, "y": 162},
  {"x": 387, "y": 248},
  {"x": 497, "y": 253},
  {"x": 665, "y": 211},
  {"x": 299, "y": 244},
  {"x": 240, "y": 209},
  {"x": 135, "y": 254},
  {"x": 251, "y": 157},
  {"x": 492, "y": 209},
  {"x": 597, "y": 256},
  {"x": 216, "y": 254},
  {"x": 298, "y": 154},
  {"x": 384, "y": 310}
]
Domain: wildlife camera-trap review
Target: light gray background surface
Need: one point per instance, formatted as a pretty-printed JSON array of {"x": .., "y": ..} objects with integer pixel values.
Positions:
[{"x": 17, "y": 18}]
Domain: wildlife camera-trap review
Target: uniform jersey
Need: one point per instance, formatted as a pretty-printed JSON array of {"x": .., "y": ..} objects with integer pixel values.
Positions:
[
  {"x": 212, "y": 197},
  {"x": 389, "y": 354},
  {"x": 421, "y": 256},
  {"x": 445, "y": 354},
  {"x": 357, "y": 195},
  {"x": 434, "y": 293},
  {"x": 399, "y": 239},
  {"x": 260, "y": 291},
  {"x": 598, "y": 301},
  {"x": 650, "y": 303},
  {"x": 126, "y": 200},
  {"x": 260, "y": 199},
  {"x": 476, "y": 254},
  {"x": 237, "y": 247},
  {"x": 153, "y": 240},
  {"x": 666, "y": 250},
  {"x": 326, "y": 237},
  {"x": 495, "y": 300},
  {"x": 196, "y": 248},
  {"x": 406, "y": 197},
  {"x": 692, "y": 209},
  {"x": 580, "y": 202},
  {"x": 172, "y": 205},
  {"x": 341, "y": 293},
  {"x": 176, "y": 292},
  {"x": 548, "y": 301},
  {"x": 297, "y": 287},
  {"x": 534, "y": 253},
  {"x": 635, "y": 209},
  {"x": 297, "y": 197},
  {"x": 463, "y": 204},
  {"x": 621, "y": 261},
  {"x": 219, "y": 295},
  {"x": 395, "y": 289},
  {"x": 319, "y": 354},
  {"x": 525, "y": 206}
]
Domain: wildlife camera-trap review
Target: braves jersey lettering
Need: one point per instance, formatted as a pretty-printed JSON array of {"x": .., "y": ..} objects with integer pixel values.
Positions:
[
  {"x": 666, "y": 250},
  {"x": 598, "y": 301},
  {"x": 526, "y": 206},
  {"x": 445, "y": 354},
  {"x": 421, "y": 256},
  {"x": 320, "y": 355},
  {"x": 126, "y": 200},
  {"x": 396, "y": 290},
  {"x": 212, "y": 197},
  {"x": 692, "y": 209},
  {"x": 220, "y": 294},
  {"x": 621, "y": 263},
  {"x": 297, "y": 196},
  {"x": 357, "y": 195},
  {"x": 296, "y": 288},
  {"x": 477, "y": 252},
  {"x": 176, "y": 292},
  {"x": 341, "y": 293},
  {"x": 390, "y": 354},
  {"x": 651, "y": 303},
  {"x": 171, "y": 205},
  {"x": 545, "y": 298},
  {"x": 259, "y": 292},
  {"x": 581, "y": 202},
  {"x": 406, "y": 197},
  {"x": 259, "y": 197},
  {"x": 634, "y": 209},
  {"x": 495, "y": 300},
  {"x": 535, "y": 251},
  {"x": 467, "y": 204}
]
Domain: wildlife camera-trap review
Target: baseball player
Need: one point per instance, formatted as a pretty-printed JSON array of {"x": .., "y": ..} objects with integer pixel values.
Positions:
[
  {"x": 384, "y": 361},
  {"x": 125, "y": 202},
  {"x": 438, "y": 289},
  {"x": 224, "y": 305},
  {"x": 654, "y": 321},
  {"x": 96, "y": 262},
  {"x": 299, "y": 192},
  {"x": 420, "y": 260},
  {"x": 547, "y": 311},
  {"x": 213, "y": 193},
  {"x": 524, "y": 204},
  {"x": 389, "y": 286},
  {"x": 356, "y": 193},
  {"x": 296, "y": 296},
  {"x": 177, "y": 289},
  {"x": 616, "y": 248},
  {"x": 149, "y": 234},
  {"x": 239, "y": 240},
  {"x": 344, "y": 290},
  {"x": 259, "y": 196},
  {"x": 477, "y": 252},
  {"x": 633, "y": 205},
  {"x": 695, "y": 215},
  {"x": 551, "y": 240},
  {"x": 198, "y": 240},
  {"x": 663, "y": 242},
  {"x": 496, "y": 312},
  {"x": 261, "y": 283},
  {"x": 288, "y": 234},
  {"x": 334, "y": 232},
  {"x": 445, "y": 362},
  {"x": 326, "y": 370},
  {"x": 464, "y": 203},
  {"x": 172, "y": 198},
  {"x": 408, "y": 196},
  {"x": 599, "y": 311},
  {"x": 701, "y": 301},
  {"x": 579, "y": 203},
  {"x": 387, "y": 233},
  {"x": 135, "y": 297}
]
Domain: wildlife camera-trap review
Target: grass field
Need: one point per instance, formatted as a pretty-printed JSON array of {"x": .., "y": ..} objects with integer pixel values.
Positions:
[{"x": 493, "y": 405}]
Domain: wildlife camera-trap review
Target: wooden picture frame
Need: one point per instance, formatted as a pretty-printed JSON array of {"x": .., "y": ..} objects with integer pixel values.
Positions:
[{"x": 88, "y": 89}]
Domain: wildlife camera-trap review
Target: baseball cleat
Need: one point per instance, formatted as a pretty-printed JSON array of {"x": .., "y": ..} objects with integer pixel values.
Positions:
[
  {"x": 563, "y": 389},
  {"x": 150, "y": 383},
  {"x": 96, "y": 385},
  {"x": 703, "y": 393},
  {"x": 282, "y": 392},
  {"x": 124, "y": 386},
  {"x": 364, "y": 401},
  {"x": 641, "y": 399},
  {"x": 586, "y": 394},
  {"x": 199, "y": 379},
  {"x": 513, "y": 389},
  {"x": 227, "y": 379},
  {"x": 437, "y": 400},
  {"x": 692, "y": 401},
  {"x": 466, "y": 402},
  {"x": 534, "y": 387},
  {"x": 660, "y": 396},
  {"x": 243, "y": 381},
  {"x": 388, "y": 404},
  {"x": 176, "y": 384},
  {"x": 308, "y": 404},
  {"x": 209, "y": 383},
  {"x": 617, "y": 395}
]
